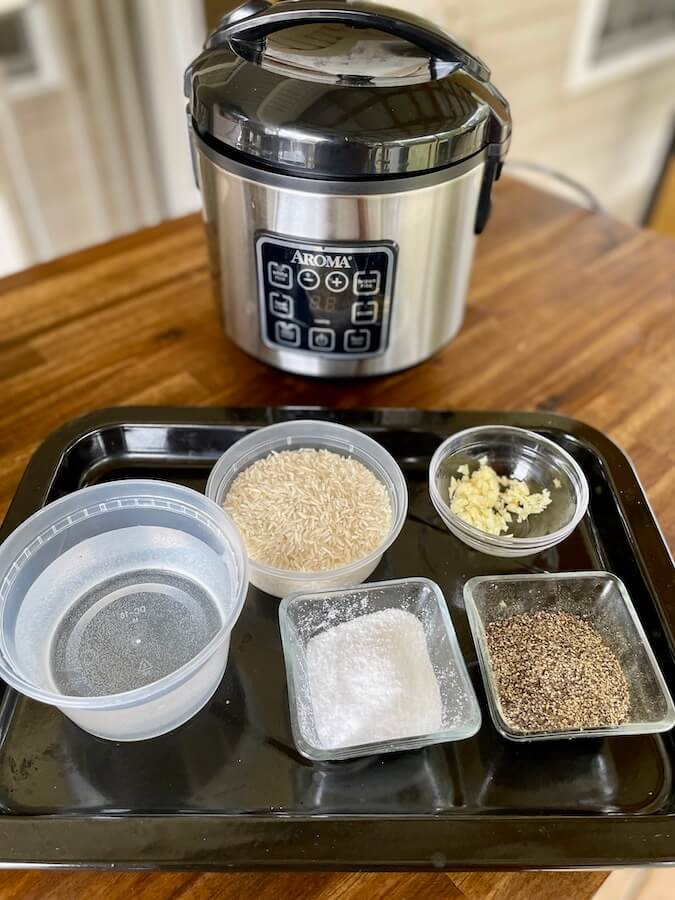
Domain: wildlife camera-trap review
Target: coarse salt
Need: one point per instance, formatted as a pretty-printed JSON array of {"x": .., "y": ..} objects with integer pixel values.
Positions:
[{"x": 371, "y": 679}]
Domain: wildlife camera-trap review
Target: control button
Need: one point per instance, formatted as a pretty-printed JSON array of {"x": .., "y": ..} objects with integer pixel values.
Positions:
[
  {"x": 337, "y": 281},
  {"x": 357, "y": 340},
  {"x": 366, "y": 282},
  {"x": 364, "y": 312},
  {"x": 308, "y": 279},
  {"x": 287, "y": 333},
  {"x": 281, "y": 305},
  {"x": 321, "y": 339},
  {"x": 280, "y": 274}
]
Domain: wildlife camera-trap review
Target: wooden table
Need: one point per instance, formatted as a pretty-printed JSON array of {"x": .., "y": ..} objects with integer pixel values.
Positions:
[{"x": 568, "y": 311}]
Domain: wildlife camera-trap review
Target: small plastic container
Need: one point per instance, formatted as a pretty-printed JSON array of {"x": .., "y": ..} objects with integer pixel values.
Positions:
[
  {"x": 603, "y": 601},
  {"x": 320, "y": 435},
  {"x": 521, "y": 454},
  {"x": 302, "y": 616},
  {"x": 116, "y": 605}
]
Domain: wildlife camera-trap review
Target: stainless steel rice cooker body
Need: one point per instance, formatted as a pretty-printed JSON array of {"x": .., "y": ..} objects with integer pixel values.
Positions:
[{"x": 345, "y": 154}]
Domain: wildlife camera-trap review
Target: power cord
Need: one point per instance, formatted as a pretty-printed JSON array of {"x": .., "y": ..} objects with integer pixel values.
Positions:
[{"x": 580, "y": 191}]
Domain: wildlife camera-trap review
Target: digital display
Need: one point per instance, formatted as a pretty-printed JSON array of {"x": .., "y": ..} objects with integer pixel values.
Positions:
[
  {"x": 323, "y": 303},
  {"x": 326, "y": 299}
]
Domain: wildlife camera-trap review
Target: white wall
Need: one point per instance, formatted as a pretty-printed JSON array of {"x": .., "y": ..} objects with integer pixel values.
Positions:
[
  {"x": 611, "y": 136},
  {"x": 12, "y": 252},
  {"x": 97, "y": 145},
  {"x": 171, "y": 35}
]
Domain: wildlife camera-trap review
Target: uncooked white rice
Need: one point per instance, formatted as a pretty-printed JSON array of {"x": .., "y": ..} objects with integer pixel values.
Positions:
[{"x": 309, "y": 510}]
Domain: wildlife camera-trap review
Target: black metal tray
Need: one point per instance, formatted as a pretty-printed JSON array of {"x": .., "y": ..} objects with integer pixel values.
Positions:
[{"x": 228, "y": 789}]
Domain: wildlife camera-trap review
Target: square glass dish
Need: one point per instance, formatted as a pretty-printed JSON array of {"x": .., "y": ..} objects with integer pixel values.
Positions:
[
  {"x": 302, "y": 616},
  {"x": 602, "y": 600}
]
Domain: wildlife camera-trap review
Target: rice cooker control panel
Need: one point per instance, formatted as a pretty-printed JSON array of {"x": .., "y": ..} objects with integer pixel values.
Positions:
[{"x": 327, "y": 299}]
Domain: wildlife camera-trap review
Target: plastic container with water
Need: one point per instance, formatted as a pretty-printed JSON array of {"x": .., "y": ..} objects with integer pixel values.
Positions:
[{"x": 117, "y": 603}]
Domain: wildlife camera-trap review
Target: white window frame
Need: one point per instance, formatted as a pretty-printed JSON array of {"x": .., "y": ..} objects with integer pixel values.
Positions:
[
  {"x": 173, "y": 32},
  {"x": 49, "y": 73},
  {"x": 12, "y": 252},
  {"x": 584, "y": 72}
]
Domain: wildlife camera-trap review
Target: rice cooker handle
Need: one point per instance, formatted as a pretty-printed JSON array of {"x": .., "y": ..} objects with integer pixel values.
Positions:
[{"x": 439, "y": 44}]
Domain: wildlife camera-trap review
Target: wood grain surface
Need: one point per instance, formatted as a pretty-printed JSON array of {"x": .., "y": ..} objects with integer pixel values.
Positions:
[{"x": 568, "y": 311}]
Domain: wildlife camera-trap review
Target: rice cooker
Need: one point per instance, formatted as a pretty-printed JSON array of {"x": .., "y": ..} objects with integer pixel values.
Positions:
[{"x": 345, "y": 154}]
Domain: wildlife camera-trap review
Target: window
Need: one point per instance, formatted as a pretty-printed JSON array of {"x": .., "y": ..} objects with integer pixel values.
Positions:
[
  {"x": 28, "y": 55},
  {"x": 616, "y": 37},
  {"x": 631, "y": 24},
  {"x": 16, "y": 53}
]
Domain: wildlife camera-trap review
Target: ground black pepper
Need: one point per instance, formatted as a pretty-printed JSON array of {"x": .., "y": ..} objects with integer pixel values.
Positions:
[{"x": 554, "y": 672}]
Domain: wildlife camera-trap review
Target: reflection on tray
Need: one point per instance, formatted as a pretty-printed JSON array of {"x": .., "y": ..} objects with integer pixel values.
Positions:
[
  {"x": 171, "y": 772},
  {"x": 237, "y": 756},
  {"x": 593, "y": 775},
  {"x": 419, "y": 782}
]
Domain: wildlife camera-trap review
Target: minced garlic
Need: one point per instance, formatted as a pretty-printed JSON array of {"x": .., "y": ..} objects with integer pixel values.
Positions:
[{"x": 490, "y": 502}]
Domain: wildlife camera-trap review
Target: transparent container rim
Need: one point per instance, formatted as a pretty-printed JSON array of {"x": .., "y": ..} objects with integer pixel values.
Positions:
[
  {"x": 155, "y": 689},
  {"x": 500, "y": 722},
  {"x": 412, "y": 742},
  {"x": 497, "y": 541},
  {"x": 395, "y": 478}
]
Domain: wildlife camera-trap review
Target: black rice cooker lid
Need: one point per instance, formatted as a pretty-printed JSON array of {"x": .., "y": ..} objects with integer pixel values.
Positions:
[{"x": 328, "y": 88}]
